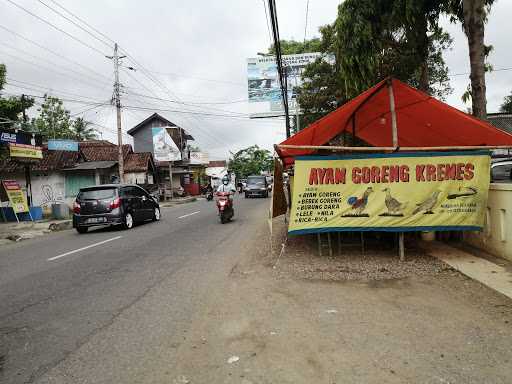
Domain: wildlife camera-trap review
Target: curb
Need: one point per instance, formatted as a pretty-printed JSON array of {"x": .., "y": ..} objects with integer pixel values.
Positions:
[{"x": 177, "y": 202}]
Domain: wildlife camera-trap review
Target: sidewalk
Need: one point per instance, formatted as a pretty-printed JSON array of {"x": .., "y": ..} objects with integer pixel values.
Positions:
[
  {"x": 24, "y": 230},
  {"x": 177, "y": 201}
]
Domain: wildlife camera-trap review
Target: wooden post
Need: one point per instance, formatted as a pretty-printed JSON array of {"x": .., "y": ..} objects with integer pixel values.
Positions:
[
  {"x": 394, "y": 129},
  {"x": 319, "y": 239},
  {"x": 330, "y": 244},
  {"x": 401, "y": 246},
  {"x": 362, "y": 243},
  {"x": 339, "y": 243},
  {"x": 170, "y": 178}
]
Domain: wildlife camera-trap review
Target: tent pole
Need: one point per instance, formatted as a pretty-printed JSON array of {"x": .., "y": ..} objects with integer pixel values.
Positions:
[{"x": 393, "y": 113}]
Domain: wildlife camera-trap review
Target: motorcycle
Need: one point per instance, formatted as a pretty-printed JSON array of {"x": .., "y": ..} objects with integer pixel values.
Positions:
[
  {"x": 209, "y": 195},
  {"x": 225, "y": 207}
]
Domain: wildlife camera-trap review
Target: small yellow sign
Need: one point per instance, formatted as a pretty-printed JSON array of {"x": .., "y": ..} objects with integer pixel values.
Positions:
[
  {"x": 390, "y": 192},
  {"x": 22, "y": 150},
  {"x": 16, "y": 196}
]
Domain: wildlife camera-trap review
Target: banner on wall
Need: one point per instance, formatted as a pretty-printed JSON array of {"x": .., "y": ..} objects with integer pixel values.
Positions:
[
  {"x": 164, "y": 147},
  {"x": 63, "y": 145},
  {"x": 15, "y": 195},
  {"x": 390, "y": 192}
]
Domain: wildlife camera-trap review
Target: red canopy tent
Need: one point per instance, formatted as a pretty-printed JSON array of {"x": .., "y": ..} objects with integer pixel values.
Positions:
[{"x": 421, "y": 121}]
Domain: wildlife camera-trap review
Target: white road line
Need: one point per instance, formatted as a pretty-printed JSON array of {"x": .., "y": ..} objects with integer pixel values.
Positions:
[
  {"x": 188, "y": 214},
  {"x": 83, "y": 248}
]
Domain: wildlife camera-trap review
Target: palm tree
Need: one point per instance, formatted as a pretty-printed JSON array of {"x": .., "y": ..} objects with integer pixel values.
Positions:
[
  {"x": 82, "y": 131},
  {"x": 473, "y": 16}
]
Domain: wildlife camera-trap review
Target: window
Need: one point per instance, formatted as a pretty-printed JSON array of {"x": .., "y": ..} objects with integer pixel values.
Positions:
[
  {"x": 502, "y": 172},
  {"x": 97, "y": 194}
]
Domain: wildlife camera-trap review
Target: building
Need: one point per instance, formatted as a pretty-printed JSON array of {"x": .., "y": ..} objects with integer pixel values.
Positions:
[
  {"x": 59, "y": 175},
  {"x": 186, "y": 174},
  {"x": 502, "y": 121}
]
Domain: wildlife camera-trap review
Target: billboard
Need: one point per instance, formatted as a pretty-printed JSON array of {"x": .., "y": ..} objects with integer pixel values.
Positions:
[
  {"x": 263, "y": 79},
  {"x": 164, "y": 147},
  {"x": 63, "y": 145},
  {"x": 390, "y": 192},
  {"x": 28, "y": 151},
  {"x": 16, "y": 196},
  {"x": 199, "y": 158}
]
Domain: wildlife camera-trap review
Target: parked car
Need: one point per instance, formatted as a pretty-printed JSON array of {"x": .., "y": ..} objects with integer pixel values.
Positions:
[
  {"x": 256, "y": 186},
  {"x": 113, "y": 204},
  {"x": 501, "y": 171}
]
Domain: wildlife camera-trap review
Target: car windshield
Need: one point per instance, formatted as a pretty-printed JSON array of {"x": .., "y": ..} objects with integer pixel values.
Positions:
[
  {"x": 256, "y": 180},
  {"x": 97, "y": 194}
]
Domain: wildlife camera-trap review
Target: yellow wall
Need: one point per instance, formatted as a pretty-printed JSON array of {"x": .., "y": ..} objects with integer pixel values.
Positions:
[{"x": 496, "y": 238}]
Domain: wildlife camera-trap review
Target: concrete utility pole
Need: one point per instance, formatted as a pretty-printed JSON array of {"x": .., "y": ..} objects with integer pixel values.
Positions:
[{"x": 117, "y": 99}]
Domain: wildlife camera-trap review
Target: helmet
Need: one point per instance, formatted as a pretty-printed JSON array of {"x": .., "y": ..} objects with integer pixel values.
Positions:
[{"x": 225, "y": 180}]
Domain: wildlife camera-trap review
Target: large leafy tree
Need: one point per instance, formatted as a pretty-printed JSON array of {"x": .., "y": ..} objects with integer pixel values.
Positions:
[
  {"x": 82, "y": 130},
  {"x": 472, "y": 14},
  {"x": 250, "y": 161},
  {"x": 53, "y": 121},
  {"x": 507, "y": 104},
  {"x": 11, "y": 108}
]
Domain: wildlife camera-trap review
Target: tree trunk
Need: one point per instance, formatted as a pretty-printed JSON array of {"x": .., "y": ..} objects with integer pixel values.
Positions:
[{"x": 474, "y": 28}]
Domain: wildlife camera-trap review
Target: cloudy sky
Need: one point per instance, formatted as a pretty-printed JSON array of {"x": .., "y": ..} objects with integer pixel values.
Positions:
[{"x": 189, "y": 59}]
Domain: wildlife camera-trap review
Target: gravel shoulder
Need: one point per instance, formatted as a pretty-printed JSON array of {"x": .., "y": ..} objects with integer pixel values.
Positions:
[{"x": 306, "y": 319}]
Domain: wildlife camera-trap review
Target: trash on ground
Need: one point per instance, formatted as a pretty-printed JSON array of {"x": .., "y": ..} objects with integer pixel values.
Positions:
[{"x": 233, "y": 359}]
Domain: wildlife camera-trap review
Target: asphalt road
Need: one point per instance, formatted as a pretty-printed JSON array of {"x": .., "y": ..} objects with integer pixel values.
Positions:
[{"x": 122, "y": 298}]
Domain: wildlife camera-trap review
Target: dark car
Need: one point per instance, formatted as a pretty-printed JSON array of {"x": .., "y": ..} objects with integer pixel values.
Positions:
[
  {"x": 256, "y": 186},
  {"x": 113, "y": 204}
]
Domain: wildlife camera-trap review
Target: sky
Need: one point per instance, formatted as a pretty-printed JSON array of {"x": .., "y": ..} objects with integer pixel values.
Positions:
[{"x": 189, "y": 61}]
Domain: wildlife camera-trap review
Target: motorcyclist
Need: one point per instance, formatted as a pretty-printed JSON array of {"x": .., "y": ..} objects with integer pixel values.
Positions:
[{"x": 226, "y": 186}]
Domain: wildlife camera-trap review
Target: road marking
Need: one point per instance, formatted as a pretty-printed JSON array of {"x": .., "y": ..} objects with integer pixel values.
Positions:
[
  {"x": 188, "y": 214},
  {"x": 83, "y": 248}
]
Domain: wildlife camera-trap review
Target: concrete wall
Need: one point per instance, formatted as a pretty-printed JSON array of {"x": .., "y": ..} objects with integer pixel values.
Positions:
[
  {"x": 138, "y": 178},
  {"x": 496, "y": 238},
  {"x": 143, "y": 137}
]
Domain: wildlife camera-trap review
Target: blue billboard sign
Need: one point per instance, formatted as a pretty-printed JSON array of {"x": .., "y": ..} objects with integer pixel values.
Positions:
[{"x": 63, "y": 145}]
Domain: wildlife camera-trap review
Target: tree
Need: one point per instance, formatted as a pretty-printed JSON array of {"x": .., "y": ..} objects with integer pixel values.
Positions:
[
  {"x": 251, "y": 161},
  {"x": 506, "y": 107},
  {"x": 53, "y": 121},
  {"x": 11, "y": 108},
  {"x": 291, "y": 47},
  {"x": 82, "y": 131},
  {"x": 472, "y": 14}
]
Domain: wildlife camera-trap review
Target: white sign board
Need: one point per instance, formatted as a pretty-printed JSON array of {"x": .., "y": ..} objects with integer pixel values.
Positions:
[
  {"x": 199, "y": 158},
  {"x": 164, "y": 147}
]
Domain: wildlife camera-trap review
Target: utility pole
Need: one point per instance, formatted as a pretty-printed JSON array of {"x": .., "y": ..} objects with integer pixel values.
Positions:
[{"x": 117, "y": 100}]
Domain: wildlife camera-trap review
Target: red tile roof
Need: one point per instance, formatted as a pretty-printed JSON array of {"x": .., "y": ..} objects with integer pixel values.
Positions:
[{"x": 137, "y": 162}]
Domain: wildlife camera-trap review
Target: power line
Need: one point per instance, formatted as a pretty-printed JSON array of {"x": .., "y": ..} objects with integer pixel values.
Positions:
[
  {"x": 74, "y": 23},
  {"x": 40, "y": 88},
  {"x": 53, "y": 52},
  {"x": 199, "y": 78},
  {"x": 469, "y": 73},
  {"x": 56, "y": 28},
  {"x": 50, "y": 62}
]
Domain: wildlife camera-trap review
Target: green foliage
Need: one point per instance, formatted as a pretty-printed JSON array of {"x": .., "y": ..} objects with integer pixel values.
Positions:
[
  {"x": 251, "y": 161},
  {"x": 290, "y": 47},
  {"x": 53, "y": 121},
  {"x": 507, "y": 104},
  {"x": 82, "y": 130},
  {"x": 369, "y": 41},
  {"x": 11, "y": 108}
]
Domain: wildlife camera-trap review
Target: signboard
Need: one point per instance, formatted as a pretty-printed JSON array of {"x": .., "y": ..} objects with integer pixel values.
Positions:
[
  {"x": 390, "y": 192},
  {"x": 263, "y": 80},
  {"x": 16, "y": 196},
  {"x": 28, "y": 151},
  {"x": 8, "y": 136},
  {"x": 199, "y": 158},
  {"x": 63, "y": 145},
  {"x": 164, "y": 147}
]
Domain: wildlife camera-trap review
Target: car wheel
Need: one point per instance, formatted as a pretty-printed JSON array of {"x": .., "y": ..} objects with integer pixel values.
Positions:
[
  {"x": 156, "y": 214},
  {"x": 128, "y": 221},
  {"x": 81, "y": 229}
]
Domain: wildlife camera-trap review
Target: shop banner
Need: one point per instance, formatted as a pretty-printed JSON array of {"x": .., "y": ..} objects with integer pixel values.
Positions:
[
  {"x": 199, "y": 158},
  {"x": 28, "y": 151},
  {"x": 16, "y": 196},
  {"x": 63, "y": 145},
  {"x": 390, "y": 192},
  {"x": 164, "y": 147}
]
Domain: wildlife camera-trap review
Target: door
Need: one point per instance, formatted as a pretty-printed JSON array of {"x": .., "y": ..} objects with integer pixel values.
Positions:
[
  {"x": 146, "y": 204},
  {"x": 133, "y": 202}
]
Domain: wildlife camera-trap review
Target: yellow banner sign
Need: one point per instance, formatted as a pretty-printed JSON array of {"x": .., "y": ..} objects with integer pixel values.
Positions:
[
  {"x": 21, "y": 150},
  {"x": 16, "y": 196},
  {"x": 390, "y": 192}
]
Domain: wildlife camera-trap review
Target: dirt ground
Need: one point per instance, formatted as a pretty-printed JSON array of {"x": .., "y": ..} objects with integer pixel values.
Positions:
[{"x": 301, "y": 318}]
